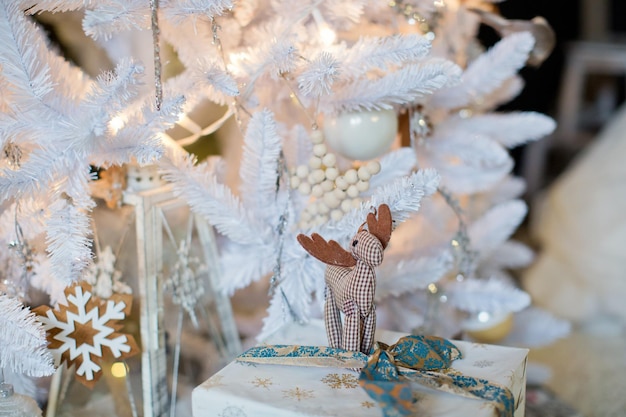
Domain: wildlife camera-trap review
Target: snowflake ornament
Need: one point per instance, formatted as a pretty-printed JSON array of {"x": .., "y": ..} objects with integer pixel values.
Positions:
[
  {"x": 83, "y": 332},
  {"x": 103, "y": 276},
  {"x": 185, "y": 281}
]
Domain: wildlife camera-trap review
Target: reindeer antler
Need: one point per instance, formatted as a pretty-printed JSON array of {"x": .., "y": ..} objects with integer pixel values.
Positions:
[
  {"x": 330, "y": 252},
  {"x": 381, "y": 227}
]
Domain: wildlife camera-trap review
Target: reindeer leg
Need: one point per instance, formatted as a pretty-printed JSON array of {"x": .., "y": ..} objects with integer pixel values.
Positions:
[
  {"x": 352, "y": 324},
  {"x": 369, "y": 328},
  {"x": 332, "y": 320}
]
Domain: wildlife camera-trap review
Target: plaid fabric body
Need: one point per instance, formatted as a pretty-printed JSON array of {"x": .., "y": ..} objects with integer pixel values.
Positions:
[{"x": 351, "y": 291}]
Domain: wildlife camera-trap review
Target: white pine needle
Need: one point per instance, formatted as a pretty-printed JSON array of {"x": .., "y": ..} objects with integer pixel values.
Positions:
[
  {"x": 467, "y": 164},
  {"x": 384, "y": 53},
  {"x": 239, "y": 273},
  {"x": 191, "y": 41},
  {"x": 509, "y": 129},
  {"x": 400, "y": 275},
  {"x": 23, "y": 58},
  {"x": 406, "y": 85},
  {"x": 403, "y": 196},
  {"x": 214, "y": 201},
  {"x": 491, "y": 295},
  {"x": 534, "y": 328},
  {"x": 275, "y": 57},
  {"x": 393, "y": 165},
  {"x": 55, "y": 6},
  {"x": 277, "y": 316},
  {"x": 41, "y": 168},
  {"x": 496, "y": 225},
  {"x": 218, "y": 79},
  {"x": 488, "y": 72},
  {"x": 22, "y": 383},
  {"x": 44, "y": 280},
  {"x": 509, "y": 89},
  {"x": 511, "y": 255},
  {"x": 67, "y": 242},
  {"x": 318, "y": 77},
  {"x": 23, "y": 340},
  {"x": 179, "y": 10},
  {"x": 104, "y": 20},
  {"x": 292, "y": 297},
  {"x": 344, "y": 13},
  {"x": 509, "y": 188},
  {"x": 259, "y": 163}
]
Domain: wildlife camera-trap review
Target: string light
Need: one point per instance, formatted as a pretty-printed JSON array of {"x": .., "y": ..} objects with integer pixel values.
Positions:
[
  {"x": 116, "y": 123},
  {"x": 118, "y": 370},
  {"x": 326, "y": 34}
]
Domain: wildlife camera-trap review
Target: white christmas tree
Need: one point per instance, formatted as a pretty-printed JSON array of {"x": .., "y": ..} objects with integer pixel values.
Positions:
[{"x": 296, "y": 76}]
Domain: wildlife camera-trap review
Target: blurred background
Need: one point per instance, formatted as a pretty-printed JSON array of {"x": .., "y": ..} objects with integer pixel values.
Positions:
[{"x": 577, "y": 197}]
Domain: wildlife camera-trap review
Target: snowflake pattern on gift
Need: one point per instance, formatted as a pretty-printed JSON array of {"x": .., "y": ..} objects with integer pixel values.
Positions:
[
  {"x": 214, "y": 381},
  {"x": 298, "y": 393},
  {"x": 483, "y": 364},
  {"x": 232, "y": 411},
  {"x": 339, "y": 381},
  {"x": 368, "y": 404},
  {"x": 84, "y": 331},
  {"x": 262, "y": 382}
]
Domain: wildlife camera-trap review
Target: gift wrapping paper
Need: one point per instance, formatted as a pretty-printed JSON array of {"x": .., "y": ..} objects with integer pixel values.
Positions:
[{"x": 246, "y": 390}]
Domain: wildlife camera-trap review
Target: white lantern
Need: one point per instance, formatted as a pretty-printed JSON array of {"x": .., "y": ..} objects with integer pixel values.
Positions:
[{"x": 148, "y": 255}]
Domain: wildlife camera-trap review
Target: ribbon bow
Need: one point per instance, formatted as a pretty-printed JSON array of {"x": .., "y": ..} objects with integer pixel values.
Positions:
[{"x": 389, "y": 373}]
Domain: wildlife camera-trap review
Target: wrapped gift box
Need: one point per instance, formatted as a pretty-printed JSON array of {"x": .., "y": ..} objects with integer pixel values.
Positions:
[{"x": 246, "y": 390}]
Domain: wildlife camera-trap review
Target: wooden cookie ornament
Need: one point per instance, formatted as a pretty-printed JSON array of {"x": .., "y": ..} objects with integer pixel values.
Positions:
[
  {"x": 351, "y": 281},
  {"x": 85, "y": 331}
]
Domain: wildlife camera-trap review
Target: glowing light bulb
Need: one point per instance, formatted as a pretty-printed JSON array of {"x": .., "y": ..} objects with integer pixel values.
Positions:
[
  {"x": 327, "y": 35},
  {"x": 118, "y": 369},
  {"x": 483, "y": 317},
  {"x": 116, "y": 123}
]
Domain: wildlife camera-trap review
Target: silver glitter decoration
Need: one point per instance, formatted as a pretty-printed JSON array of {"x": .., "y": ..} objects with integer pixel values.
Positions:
[
  {"x": 464, "y": 255},
  {"x": 185, "y": 281},
  {"x": 154, "y": 12},
  {"x": 13, "y": 154},
  {"x": 275, "y": 280},
  {"x": 16, "y": 287}
]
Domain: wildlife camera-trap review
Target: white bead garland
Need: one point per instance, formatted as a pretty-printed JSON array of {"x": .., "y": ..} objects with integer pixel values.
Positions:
[{"x": 334, "y": 193}]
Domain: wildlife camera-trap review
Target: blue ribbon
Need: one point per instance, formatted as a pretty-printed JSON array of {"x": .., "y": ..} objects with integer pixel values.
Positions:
[{"x": 389, "y": 372}]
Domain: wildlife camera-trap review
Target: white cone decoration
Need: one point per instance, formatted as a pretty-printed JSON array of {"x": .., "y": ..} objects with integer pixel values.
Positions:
[{"x": 361, "y": 135}]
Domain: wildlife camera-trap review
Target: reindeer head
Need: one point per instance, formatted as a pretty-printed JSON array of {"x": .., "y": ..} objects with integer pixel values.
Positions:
[{"x": 366, "y": 246}]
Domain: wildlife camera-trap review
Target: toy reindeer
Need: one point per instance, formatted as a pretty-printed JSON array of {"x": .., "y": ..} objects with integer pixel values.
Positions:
[{"x": 351, "y": 281}]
